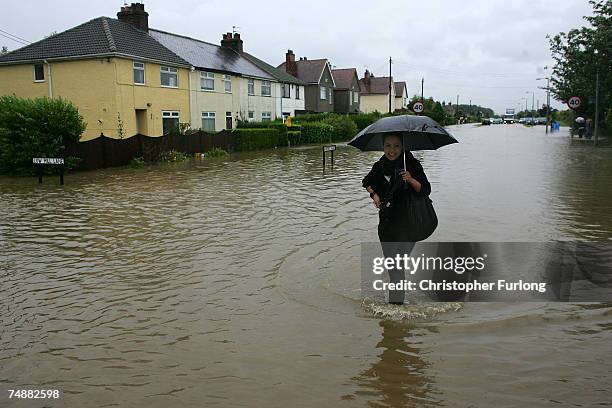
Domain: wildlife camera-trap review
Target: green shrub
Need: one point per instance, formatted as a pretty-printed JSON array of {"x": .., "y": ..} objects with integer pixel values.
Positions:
[
  {"x": 173, "y": 156},
  {"x": 317, "y": 132},
  {"x": 310, "y": 117},
  {"x": 254, "y": 139},
  {"x": 363, "y": 120},
  {"x": 216, "y": 153},
  {"x": 137, "y": 162},
  {"x": 294, "y": 137},
  {"x": 39, "y": 127},
  {"x": 344, "y": 128}
]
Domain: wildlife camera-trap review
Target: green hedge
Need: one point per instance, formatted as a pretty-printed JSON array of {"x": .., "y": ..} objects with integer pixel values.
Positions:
[
  {"x": 254, "y": 139},
  {"x": 344, "y": 127},
  {"x": 36, "y": 128},
  {"x": 317, "y": 132},
  {"x": 294, "y": 137}
]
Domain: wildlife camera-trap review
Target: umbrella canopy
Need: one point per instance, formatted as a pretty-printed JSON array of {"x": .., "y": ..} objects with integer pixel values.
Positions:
[{"x": 418, "y": 133}]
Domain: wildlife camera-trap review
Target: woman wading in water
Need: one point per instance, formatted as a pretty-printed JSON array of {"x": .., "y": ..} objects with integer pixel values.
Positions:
[{"x": 390, "y": 187}]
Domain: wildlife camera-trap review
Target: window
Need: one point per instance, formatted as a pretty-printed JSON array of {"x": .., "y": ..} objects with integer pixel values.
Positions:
[
  {"x": 266, "y": 116},
  {"x": 355, "y": 97},
  {"x": 139, "y": 73},
  {"x": 251, "y": 86},
  {"x": 266, "y": 89},
  {"x": 170, "y": 121},
  {"x": 208, "y": 121},
  {"x": 251, "y": 114},
  {"x": 207, "y": 81},
  {"x": 330, "y": 95},
  {"x": 323, "y": 92},
  {"x": 297, "y": 92},
  {"x": 227, "y": 81},
  {"x": 285, "y": 91},
  {"x": 39, "y": 72},
  {"x": 169, "y": 77}
]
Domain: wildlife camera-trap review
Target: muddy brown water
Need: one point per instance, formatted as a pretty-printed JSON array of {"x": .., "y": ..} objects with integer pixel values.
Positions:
[{"x": 236, "y": 283}]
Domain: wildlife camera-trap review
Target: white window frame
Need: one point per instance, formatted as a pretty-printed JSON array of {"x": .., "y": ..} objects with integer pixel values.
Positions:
[
  {"x": 227, "y": 80},
  {"x": 266, "y": 85},
  {"x": 208, "y": 116},
  {"x": 168, "y": 71},
  {"x": 355, "y": 97},
  {"x": 286, "y": 91},
  {"x": 266, "y": 116},
  {"x": 251, "y": 86},
  {"x": 297, "y": 92},
  {"x": 204, "y": 78},
  {"x": 170, "y": 115},
  {"x": 43, "y": 72},
  {"x": 139, "y": 66},
  {"x": 330, "y": 92},
  {"x": 322, "y": 92}
]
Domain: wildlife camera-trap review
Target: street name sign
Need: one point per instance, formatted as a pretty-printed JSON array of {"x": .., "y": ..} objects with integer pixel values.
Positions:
[{"x": 47, "y": 160}]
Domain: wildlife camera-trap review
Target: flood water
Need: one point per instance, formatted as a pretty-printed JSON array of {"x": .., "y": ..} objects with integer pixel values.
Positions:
[{"x": 236, "y": 283}]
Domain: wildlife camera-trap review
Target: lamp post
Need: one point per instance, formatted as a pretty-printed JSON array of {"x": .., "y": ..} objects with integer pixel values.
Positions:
[
  {"x": 547, "y": 100},
  {"x": 532, "y": 103}
]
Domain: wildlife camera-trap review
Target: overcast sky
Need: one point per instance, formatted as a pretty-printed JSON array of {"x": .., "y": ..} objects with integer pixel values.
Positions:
[{"x": 489, "y": 51}]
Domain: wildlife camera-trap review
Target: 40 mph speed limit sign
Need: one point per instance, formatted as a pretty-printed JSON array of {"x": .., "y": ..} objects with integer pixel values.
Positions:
[
  {"x": 418, "y": 107},
  {"x": 574, "y": 102}
]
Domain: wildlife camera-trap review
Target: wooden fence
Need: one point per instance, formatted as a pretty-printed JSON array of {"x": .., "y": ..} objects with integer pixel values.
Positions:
[{"x": 108, "y": 152}]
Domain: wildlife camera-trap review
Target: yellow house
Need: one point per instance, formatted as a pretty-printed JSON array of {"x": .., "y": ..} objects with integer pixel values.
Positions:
[
  {"x": 121, "y": 79},
  {"x": 375, "y": 93}
]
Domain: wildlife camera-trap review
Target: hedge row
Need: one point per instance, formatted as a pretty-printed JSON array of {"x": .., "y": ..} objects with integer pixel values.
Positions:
[
  {"x": 254, "y": 139},
  {"x": 38, "y": 127}
]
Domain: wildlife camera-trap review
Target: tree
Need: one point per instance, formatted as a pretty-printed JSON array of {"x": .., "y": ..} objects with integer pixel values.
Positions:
[
  {"x": 4, "y": 50},
  {"x": 579, "y": 54}
]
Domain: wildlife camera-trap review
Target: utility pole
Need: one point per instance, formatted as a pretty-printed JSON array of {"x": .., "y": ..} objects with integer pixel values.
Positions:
[
  {"x": 596, "y": 100},
  {"x": 390, "y": 84},
  {"x": 457, "y": 110},
  {"x": 470, "y": 108},
  {"x": 422, "y": 83}
]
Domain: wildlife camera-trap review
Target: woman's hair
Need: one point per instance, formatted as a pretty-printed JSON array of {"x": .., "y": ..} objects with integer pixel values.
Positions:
[{"x": 391, "y": 134}]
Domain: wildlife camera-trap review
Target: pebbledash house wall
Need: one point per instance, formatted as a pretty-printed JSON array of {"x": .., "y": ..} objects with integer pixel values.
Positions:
[{"x": 104, "y": 92}]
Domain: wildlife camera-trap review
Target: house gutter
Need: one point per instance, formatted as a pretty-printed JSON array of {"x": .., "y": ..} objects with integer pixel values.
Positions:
[{"x": 49, "y": 75}]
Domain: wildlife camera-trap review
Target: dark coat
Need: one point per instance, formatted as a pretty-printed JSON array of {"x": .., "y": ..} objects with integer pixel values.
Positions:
[{"x": 391, "y": 217}]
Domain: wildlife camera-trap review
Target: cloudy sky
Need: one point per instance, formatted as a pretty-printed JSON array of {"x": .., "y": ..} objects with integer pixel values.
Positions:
[{"x": 486, "y": 51}]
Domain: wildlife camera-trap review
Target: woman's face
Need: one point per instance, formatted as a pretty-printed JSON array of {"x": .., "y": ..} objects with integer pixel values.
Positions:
[{"x": 392, "y": 147}]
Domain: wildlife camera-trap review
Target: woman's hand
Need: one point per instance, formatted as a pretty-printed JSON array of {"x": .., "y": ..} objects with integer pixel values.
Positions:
[
  {"x": 376, "y": 200},
  {"x": 406, "y": 176}
]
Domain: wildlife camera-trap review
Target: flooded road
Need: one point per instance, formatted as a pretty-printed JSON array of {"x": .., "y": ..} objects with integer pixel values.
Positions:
[{"x": 236, "y": 283}]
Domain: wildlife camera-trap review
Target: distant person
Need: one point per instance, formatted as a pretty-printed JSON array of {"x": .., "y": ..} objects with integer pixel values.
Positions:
[
  {"x": 389, "y": 187},
  {"x": 589, "y": 128}
]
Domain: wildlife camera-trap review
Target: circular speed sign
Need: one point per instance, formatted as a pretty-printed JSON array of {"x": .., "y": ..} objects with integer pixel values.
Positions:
[
  {"x": 574, "y": 102},
  {"x": 418, "y": 107}
]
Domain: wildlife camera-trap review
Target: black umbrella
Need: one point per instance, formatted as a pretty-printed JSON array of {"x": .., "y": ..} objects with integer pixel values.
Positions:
[{"x": 418, "y": 133}]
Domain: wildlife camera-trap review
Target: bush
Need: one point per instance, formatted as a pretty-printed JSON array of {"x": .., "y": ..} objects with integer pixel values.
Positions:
[
  {"x": 137, "y": 162},
  {"x": 363, "y": 120},
  {"x": 310, "y": 117},
  {"x": 344, "y": 128},
  {"x": 317, "y": 132},
  {"x": 254, "y": 139},
  {"x": 216, "y": 153},
  {"x": 294, "y": 137},
  {"x": 173, "y": 156},
  {"x": 39, "y": 127}
]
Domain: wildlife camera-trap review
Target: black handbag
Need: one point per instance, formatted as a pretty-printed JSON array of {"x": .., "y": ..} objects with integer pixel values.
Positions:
[{"x": 414, "y": 216}]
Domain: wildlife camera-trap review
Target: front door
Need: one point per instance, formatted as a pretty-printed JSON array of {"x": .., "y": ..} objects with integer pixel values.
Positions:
[{"x": 228, "y": 120}]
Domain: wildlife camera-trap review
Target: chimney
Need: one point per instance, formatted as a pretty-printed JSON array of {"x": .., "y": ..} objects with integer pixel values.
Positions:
[
  {"x": 366, "y": 78},
  {"x": 135, "y": 15},
  {"x": 234, "y": 42},
  {"x": 290, "y": 64}
]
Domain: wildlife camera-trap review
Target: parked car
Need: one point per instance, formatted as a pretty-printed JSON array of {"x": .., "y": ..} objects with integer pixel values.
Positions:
[
  {"x": 496, "y": 121},
  {"x": 486, "y": 121}
]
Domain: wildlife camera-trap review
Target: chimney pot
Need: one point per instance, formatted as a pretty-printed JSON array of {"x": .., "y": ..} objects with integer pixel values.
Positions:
[{"x": 135, "y": 15}]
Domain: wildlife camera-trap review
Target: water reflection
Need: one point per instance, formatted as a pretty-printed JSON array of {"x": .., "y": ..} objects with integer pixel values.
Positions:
[{"x": 398, "y": 378}]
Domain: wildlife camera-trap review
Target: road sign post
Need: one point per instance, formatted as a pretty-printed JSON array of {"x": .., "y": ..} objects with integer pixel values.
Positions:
[
  {"x": 40, "y": 162},
  {"x": 331, "y": 149}
]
